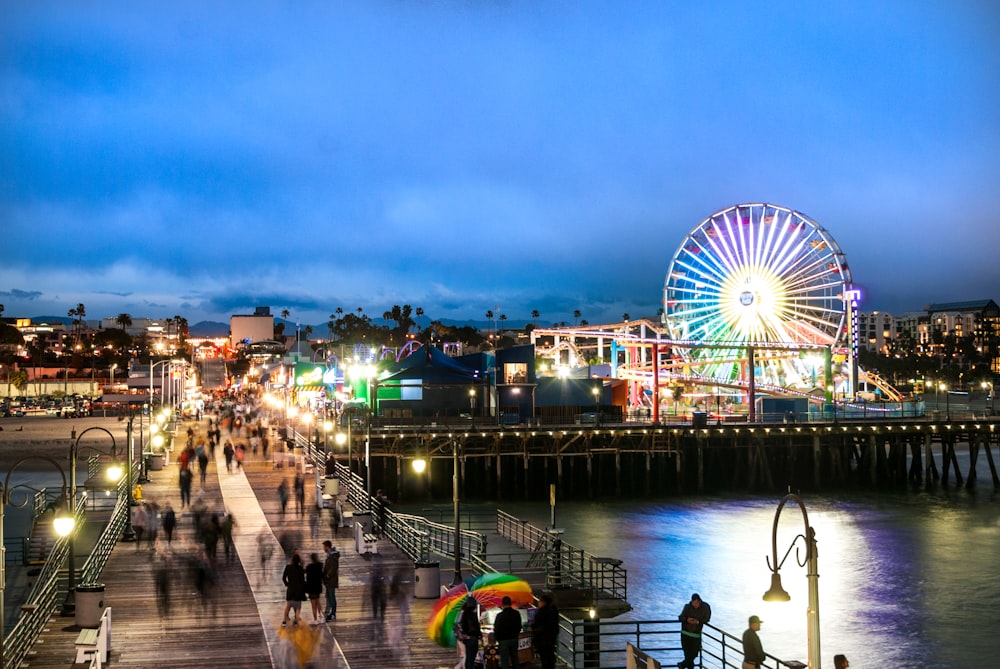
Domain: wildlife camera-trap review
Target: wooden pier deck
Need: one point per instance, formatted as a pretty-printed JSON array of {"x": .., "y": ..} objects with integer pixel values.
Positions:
[{"x": 237, "y": 622}]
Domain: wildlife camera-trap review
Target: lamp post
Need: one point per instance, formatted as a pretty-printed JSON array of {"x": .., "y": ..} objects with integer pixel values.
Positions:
[
  {"x": 596, "y": 392},
  {"x": 947, "y": 401},
  {"x": 992, "y": 396},
  {"x": 777, "y": 594},
  {"x": 114, "y": 473},
  {"x": 457, "y": 578},
  {"x": 152, "y": 368},
  {"x": 63, "y": 524},
  {"x": 472, "y": 406}
]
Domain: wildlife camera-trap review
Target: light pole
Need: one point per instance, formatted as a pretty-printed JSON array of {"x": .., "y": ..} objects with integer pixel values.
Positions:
[
  {"x": 596, "y": 391},
  {"x": 472, "y": 406},
  {"x": 947, "y": 401},
  {"x": 992, "y": 396},
  {"x": 63, "y": 524},
  {"x": 114, "y": 473},
  {"x": 777, "y": 594},
  {"x": 152, "y": 368},
  {"x": 111, "y": 375},
  {"x": 457, "y": 578}
]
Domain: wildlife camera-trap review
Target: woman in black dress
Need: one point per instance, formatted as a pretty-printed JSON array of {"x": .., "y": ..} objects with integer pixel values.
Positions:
[
  {"x": 294, "y": 578},
  {"x": 314, "y": 587}
]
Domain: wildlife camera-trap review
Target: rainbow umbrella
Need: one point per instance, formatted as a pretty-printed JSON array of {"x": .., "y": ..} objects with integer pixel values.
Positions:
[{"x": 488, "y": 590}]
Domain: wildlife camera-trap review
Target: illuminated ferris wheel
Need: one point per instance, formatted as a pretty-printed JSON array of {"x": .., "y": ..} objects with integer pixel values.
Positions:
[{"x": 756, "y": 273}]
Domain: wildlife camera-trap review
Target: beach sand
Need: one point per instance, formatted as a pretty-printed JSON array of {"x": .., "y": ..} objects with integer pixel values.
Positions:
[{"x": 53, "y": 437}]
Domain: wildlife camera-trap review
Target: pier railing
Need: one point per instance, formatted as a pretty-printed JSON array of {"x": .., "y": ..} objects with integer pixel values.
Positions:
[
  {"x": 602, "y": 643},
  {"x": 564, "y": 564}
]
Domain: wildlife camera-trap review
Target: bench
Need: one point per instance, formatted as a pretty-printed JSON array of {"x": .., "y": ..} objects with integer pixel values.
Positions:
[
  {"x": 93, "y": 644},
  {"x": 371, "y": 544}
]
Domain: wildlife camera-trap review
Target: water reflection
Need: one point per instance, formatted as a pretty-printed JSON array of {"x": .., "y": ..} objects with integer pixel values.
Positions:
[{"x": 906, "y": 580}]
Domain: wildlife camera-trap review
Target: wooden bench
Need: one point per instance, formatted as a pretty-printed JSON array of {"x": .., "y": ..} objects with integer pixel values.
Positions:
[
  {"x": 93, "y": 644},
  {"x": 370, "y": 544}
]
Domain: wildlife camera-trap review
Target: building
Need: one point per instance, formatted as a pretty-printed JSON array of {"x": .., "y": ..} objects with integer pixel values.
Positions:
[{"x": 245, "y": 330}]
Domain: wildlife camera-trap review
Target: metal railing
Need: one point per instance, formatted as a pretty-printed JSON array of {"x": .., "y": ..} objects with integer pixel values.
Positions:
[
  {"x": 563, "y": 563},
  {"x": 602, "y": 643},
  {"x": 43, "y": 597}
]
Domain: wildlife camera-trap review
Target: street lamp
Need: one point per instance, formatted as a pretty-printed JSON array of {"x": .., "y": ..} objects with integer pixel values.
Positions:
[
  {"x": 114, "y": 473},
  {"x": 947, "y": 401},
  {"x": 992, "y": 396},
  {"x": 596, "y": 392},
  {"x": 472, "y": 406},
  {"x": 63, "y": 523},
  {"x": 777, "y": 594},
  {"x": 457, "y": 578}
]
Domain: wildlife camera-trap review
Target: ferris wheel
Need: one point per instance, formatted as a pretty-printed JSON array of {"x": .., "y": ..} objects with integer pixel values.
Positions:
[{"x": 756, "y": 273}]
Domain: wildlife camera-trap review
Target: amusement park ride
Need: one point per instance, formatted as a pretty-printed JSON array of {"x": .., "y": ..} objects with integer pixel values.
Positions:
[{"x": 758, "y": 300}]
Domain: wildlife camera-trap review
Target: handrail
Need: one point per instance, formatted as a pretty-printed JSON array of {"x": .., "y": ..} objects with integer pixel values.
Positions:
[
  {"x": 602, "y": 643},
  {"x": 565, "y": 564},
  {"x": 41, "y": 599}
]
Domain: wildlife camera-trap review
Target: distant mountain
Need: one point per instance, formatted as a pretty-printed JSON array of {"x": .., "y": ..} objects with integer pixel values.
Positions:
[
  {"x": 209, "y": 329},
  {"x": 52, "y": 319}
]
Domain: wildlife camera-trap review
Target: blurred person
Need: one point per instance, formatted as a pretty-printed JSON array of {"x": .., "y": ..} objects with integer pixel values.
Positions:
[{"x": 545, "y": 630}]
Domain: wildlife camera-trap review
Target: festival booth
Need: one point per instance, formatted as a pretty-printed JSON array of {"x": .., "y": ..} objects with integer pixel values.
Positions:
[{"x": 489, "y": 656}]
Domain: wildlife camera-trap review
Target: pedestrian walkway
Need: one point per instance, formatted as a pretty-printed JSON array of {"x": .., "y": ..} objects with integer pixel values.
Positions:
[{"x": 235, "y": 622}]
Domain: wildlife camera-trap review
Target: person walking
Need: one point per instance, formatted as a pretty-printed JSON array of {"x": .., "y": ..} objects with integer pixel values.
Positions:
[
  {"x": 294, "y": 578},
  {"x": 506, "y": 628},
  {"x": 693, "y": 617},
  {"x": 331, "y": 579},
  {"x": 139, "y": 523},
  {"x": 229, "y": 452},
  {"x": 185, "y": 477},
  {"x": 300, "y": 493},
  {"x": 283, "y": 495},
  {"x": 468, "y": 631},
  {"x": 202, "y": 454},
  {"x": 545, "y": 630},
  {"x": 169, "y": 522},
  {"x": 314, "y": 587},
  {"x": 753, "y": 651},
  {"x": 377, "y": 592}
]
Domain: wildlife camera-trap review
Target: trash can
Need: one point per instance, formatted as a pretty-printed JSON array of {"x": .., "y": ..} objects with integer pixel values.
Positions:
[
  {"x": 426, "y": 580},
  {"x": 156, "y": 462},
  {"x": 331, "y": 485},
  {"x": 89, "y": 604},
  {"x": 699, "y": 419},
  {"x": 364, "y": 518}
]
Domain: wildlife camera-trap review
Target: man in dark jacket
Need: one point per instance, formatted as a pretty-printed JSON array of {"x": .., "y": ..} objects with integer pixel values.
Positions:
[
  {"x": 545, "y": 630},
  {"x": 695, "y": 614},
  {"x": 506, "y": 628},
  {"x": 331, "y": 579},
  {"x": 753, "y": 650}
]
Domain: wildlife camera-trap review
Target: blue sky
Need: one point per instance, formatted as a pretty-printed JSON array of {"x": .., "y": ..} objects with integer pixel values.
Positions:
[{"x": 204, "y": 158}]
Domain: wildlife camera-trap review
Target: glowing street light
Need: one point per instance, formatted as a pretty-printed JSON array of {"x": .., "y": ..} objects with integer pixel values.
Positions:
[{"x": 777, "y": 594}]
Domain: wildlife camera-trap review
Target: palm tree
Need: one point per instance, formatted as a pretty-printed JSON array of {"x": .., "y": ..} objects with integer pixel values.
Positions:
[
  {"x": 77, "y": 315},
  {"x": 124, "y": 320},
  {"x": 534, "y": 316},
  {"x": 625, "y": 317},
  {"x": 503, "y": 320},
  {"x": 420, "y": 313},
  {"x": 576, "y": 317},
  {"x": 489, "y": 315}
]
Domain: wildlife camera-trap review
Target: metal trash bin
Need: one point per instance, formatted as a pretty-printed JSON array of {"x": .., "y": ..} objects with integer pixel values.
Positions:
[
  {"x": 426, "y": 580},
  {"x": 331, "y": 486},
  {"x": 364, "y": 518},
  {"x": 89, "y": 604},
  {"x": 699, "y": 419},
  {"x": 156, "y": 462}
]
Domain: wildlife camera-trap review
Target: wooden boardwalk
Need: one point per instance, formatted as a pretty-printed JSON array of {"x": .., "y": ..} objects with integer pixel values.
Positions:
[{"x": 237, "y": 622}]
